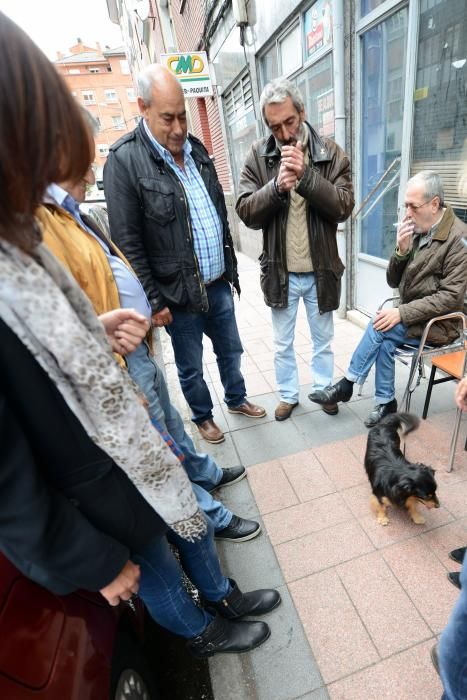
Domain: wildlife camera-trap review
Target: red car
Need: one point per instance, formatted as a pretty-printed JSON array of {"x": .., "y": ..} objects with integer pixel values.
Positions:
[{"x": 73, "y": 647}]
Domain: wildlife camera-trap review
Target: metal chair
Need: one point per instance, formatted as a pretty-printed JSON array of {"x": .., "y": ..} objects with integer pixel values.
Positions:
[{"x": 454, "y": 365}]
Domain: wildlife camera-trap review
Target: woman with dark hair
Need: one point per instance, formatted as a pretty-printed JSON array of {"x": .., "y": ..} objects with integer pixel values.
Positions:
[{"x": 89, "y": 492}]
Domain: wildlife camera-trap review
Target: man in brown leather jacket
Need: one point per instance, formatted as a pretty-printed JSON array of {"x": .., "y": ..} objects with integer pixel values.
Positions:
[
  {"x": 296, "y": 186},
  {"x": 429, "y": 266}
]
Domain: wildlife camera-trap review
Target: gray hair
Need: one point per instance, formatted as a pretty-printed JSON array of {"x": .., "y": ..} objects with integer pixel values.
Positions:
[
  {"x": 277, "y": 91},
  {"x": 145, "y": 82},
  {"x": 432, "y": 183}
]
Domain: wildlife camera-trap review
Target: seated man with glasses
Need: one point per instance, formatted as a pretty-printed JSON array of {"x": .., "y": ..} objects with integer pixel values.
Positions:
[{"x": 429, "y": 265}]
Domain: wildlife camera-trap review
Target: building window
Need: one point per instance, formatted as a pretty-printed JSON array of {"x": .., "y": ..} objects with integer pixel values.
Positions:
[
  {"x": 118, "y": 122},
  {"x": 317, "y": 26},
  {"x": 383, "y": 59},
  {"x": 74, "y": 71},
  {"x": 110, "y": 96},
  {"x": 269, "y": 66},
  {"x": 367, "y": 6},
  {"x": 103, "y": 149},
  {"x": 124, "y": 67},
  {"x": 73, "y": 92},
  {"x": 439, "y": 137},
  {"x": 94, "y": 70},
  {"x": 290, "y": 51},
  {"x": 88, "y": 97},
  {"x": 316, "y": 86},
  {"x": 130, "y": 93}
]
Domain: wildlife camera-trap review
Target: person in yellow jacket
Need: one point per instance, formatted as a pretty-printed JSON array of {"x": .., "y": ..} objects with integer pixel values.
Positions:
[{"x": 107, "y": 278}]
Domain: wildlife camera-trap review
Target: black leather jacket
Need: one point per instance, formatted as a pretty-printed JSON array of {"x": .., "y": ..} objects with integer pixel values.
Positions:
[{"x": 149, "y": 220}]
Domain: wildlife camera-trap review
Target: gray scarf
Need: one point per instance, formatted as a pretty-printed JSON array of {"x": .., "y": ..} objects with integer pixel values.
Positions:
[{"x": 53, "y": 318}]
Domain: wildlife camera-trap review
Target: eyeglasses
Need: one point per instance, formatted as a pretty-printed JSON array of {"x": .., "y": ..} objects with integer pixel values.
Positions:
[{"x": 414, "y": 207}]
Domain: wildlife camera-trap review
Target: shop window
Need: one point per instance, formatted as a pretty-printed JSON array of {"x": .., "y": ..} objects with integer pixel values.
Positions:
[
  {"x": 440, "y": 112},
  {"x": 383, "y": 61},
  {"x": 316, "y": 87},
  {"x": 290, "y": 51},
  {"x": 269, "y": 66},
  {"x": 317, "y": 26},
  {"x": 367, "y": 6}
]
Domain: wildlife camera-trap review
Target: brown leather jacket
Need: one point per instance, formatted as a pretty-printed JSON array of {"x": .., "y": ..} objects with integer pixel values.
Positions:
[
  {"x": 327, "y": 187},
  {"x": 432, "y": 281}
]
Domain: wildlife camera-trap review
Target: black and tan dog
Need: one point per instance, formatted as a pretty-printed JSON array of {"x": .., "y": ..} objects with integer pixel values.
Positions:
[{"x": 394, "y": 480}]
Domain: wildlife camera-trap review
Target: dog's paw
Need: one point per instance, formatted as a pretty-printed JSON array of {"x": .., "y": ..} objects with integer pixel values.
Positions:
[
  {"x": 418, "y": 519},
  {"x": 383, "y": 520}
]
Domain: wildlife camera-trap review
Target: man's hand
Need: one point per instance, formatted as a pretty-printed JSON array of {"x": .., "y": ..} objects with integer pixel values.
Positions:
[
  {"x": 124, "y": 586},
  {"x": 162, "y": 318},
  {"x": 286, "y": 179},
  {"x": 386, "y": 319},
  {"x": 405, "y": 235},
  {"x": 293, "y": 159},
  {"x": 461, "y": 394},
  {"x": 125, "y": 329}
]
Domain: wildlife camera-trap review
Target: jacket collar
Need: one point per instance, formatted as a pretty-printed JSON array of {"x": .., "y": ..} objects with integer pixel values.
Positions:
[
  {"x": 318, "y": 149},
  {"x": 197, "y": 150},
  {"x": 445, "y": 225}
]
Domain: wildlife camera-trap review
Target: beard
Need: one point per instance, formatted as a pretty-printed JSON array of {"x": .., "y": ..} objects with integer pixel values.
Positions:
[{"x": 300, "y": 136}]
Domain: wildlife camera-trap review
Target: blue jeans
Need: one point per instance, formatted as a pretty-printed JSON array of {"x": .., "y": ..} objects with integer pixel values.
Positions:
[
  {"x": 202, "y": 470},
  {"x": 219, "y": 324},
  {"x": 161, "y": 586},
  {"x": 452, "y": 649},
  {"x": 321, "y": 330},
  {"x": 378, "y": 348}
]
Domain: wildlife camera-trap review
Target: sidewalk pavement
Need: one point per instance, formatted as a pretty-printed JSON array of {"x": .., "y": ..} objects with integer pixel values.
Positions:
[{"x": 362, "y": 604}]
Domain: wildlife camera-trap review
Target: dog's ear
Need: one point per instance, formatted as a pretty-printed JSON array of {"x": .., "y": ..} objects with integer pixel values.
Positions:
[{"x": 403, "y": 488}]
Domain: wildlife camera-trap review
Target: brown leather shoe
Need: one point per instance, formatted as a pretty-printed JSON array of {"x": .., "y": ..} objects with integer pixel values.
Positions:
[
  {"x": 284, "y": 410},
  {"x": 248, "y": 409},
  {"x": 332, "y": 409},
  {"x": 210, "y": 432}
]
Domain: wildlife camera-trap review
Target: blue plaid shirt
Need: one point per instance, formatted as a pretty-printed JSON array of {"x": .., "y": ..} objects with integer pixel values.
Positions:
[{"x": 205, "y": 222}]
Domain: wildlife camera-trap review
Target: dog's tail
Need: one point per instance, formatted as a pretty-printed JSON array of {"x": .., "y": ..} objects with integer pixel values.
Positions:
[{"x": 406, "y": 421}]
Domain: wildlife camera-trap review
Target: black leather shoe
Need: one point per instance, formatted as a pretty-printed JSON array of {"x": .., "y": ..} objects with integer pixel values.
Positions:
[
  {"x": 458, "y": 555},
  {"x": 238, "y": 530},
  {"x": 379, "y": 412},
  {"x": 455, "y": 578},
  {"x": 332, "y": 409},
  {"x": 223, "y": 636},
  {"x": 230, "y": 476},
  {"x": 238, "y": 604},
  {"x": 341, "y": 391}
]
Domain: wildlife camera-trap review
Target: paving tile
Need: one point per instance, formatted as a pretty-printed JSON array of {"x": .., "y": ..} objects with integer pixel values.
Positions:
[
  {"x": 306, "y": 475},
  {"x": 407, "y": 676},
  {"x": 305, "y": 518},
  {"x": 341, "y": 464},
  {"x": 267, "y": 440},
  {"x": 424, "y": 579},
  {"x": 270, "y": 487},
  {"x": 454, "y": 498},
  {"x": 337, "y": 637},
  {"x": 225, "y": 453},
  {"x": 320, "y": 550},
  {"x": 318, "y": 428},
  {"x": 444, "y": 539},
  {"x": 385, "y": 609},
  {"x": 285, "y": 655},
  {"x": 256, "y": 384}
]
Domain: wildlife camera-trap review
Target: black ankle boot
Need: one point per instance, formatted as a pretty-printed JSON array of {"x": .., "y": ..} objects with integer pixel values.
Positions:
[
  {"x": 226, "y": 637},
  {"x": 237, "y": 604}
]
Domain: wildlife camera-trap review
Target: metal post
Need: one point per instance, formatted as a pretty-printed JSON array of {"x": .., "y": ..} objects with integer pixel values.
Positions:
[{"x": 339, "y": 118}]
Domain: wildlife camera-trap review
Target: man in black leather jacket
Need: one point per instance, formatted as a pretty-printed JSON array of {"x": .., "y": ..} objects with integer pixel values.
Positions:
[{"x": 168, "y": 215}]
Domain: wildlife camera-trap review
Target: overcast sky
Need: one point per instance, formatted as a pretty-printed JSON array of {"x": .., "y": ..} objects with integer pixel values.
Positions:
[{"x": 55, "y": 25}]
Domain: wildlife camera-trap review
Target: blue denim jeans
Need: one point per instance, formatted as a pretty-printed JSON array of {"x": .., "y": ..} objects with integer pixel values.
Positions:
[
  {"x": 378, "y": 348},
  {"x": 452, "y": 649},
  {"x": 161, "y": 586},
  {"x": 219, "y": 324},
  {"x": 202, "y": 470},
  {"x": 321, "y": 330}
]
